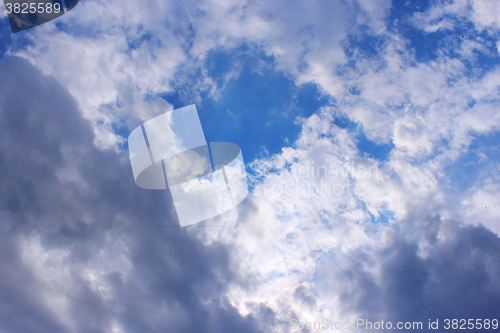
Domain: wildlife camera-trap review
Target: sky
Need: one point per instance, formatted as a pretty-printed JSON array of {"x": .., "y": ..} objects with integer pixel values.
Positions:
[{"x": 370, "y": 133}]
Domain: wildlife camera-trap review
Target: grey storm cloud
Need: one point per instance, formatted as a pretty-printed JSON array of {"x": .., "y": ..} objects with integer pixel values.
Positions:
[
  {"x": 456, "y": 279},
  {"x": 58, "y": 187}
]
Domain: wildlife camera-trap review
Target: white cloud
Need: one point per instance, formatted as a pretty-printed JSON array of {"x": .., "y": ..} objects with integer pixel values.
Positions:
[
  {"x": 409, "y": 135},
  {"x": 486, "y": 14},
  {"x": 483, "y": 206}
]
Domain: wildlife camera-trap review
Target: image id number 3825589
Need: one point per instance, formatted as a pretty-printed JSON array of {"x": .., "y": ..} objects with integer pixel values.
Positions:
[
  {"x": 470, "y": 324},
  {"x": 25, "y": 8}
]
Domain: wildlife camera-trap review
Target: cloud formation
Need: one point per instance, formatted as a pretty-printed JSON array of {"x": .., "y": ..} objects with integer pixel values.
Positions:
[{"x": 330, "y": 231}]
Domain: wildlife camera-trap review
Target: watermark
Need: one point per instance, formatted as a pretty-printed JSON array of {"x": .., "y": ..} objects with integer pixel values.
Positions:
[
  {"x": 365, "y": 324},
  {"x": 310, "y": 180},
  {"x": 26, "y": 14},
  {"x": 310, "y": 170},
  {"x": 356, "y": 324},
  {"x": 204, "y": 179},
  {"x": 308, "y": 189}
]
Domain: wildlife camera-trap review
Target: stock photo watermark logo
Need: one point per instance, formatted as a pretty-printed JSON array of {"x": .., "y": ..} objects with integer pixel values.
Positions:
[
  {"x": 170, "y": 151},
  {"x": 26, "y": 14},
  {"x": 308, "y": 180}
]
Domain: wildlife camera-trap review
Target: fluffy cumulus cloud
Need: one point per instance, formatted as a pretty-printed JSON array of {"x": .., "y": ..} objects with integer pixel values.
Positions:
[{"x": 384, "y": 208}]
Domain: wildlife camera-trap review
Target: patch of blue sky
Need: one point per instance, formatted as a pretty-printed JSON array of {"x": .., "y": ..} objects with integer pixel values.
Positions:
[
  {"x": 363, "y": 42},
  {"x": 475, "y": 165},
  {"x": 427, "y": 46},
  {"x": 261, "y": 105},
  {"x": 120, "y": 129},
  {"x": 360, "y": 44},
  {"x": 5, "y": 36},
  {"x": 257, "y": 107},
  {"x": 13, "y": 42},
  {"x": 424, "y": 45},
  {"x": 371, "y": 149},
  {"x": 485, "y": 62},
  {"x": 85, "y": 30},
  {"x": 400, "y": 10},
  {"x": 366, "y": 44},
  {"x": 135, "y": 43},
  {"x": 482, "y": 61},
  {"x": 384, "y": 217},
  {"x": 366, "y": 147}
]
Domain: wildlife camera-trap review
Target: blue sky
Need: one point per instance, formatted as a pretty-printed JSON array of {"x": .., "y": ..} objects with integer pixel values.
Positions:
[
  {"x": 256, "y": 110},
  {"x": 386, "y": 97}
]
